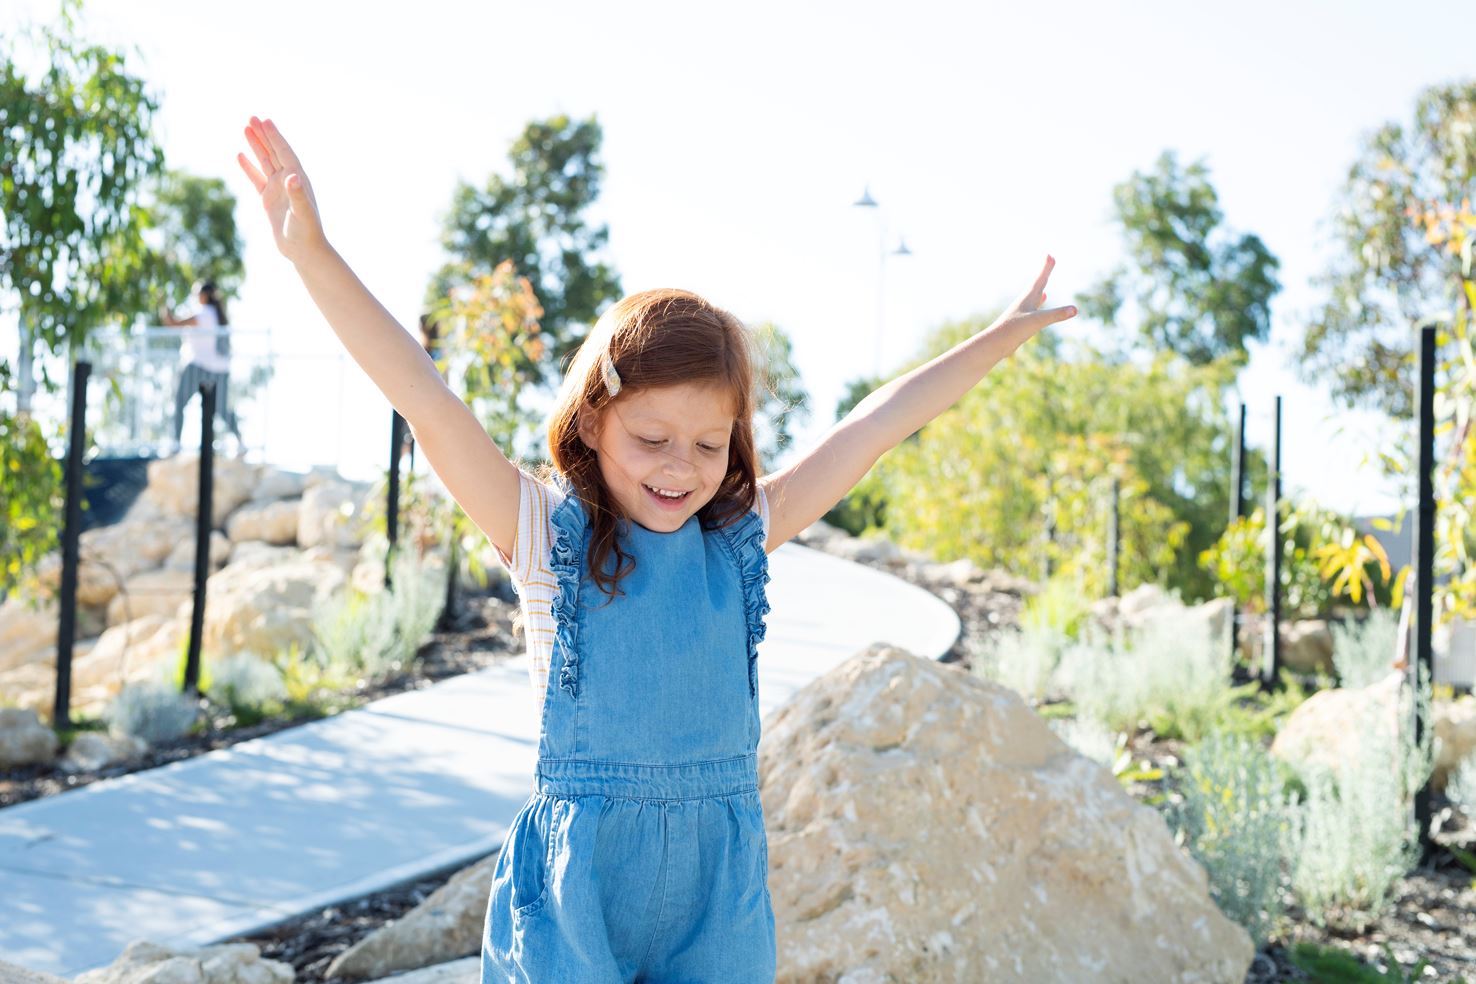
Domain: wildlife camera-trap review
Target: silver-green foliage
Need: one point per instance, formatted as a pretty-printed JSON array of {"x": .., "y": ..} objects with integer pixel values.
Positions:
[
  {"x": 355, "y": 632},
  {"x": 153, "y": 710},
  {"x": 378, "y": 633},
  {"x": 1460, "y": 787},
  {"x": 1174, "y": 663},
  {"x": 1024, "y": 661},
  {"x": 1363, "y": 651},
  {"x": 246, "y": 680},
  {"x": 1357, "y": 836},
  {"x": 1092, "y": 739},
  {"x": 419, "y": 595},
  {"x": 1236, "y": 821}
]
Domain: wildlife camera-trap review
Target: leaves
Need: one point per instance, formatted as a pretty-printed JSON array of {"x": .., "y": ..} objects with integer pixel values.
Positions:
[{"x": 1196, "y": 289}]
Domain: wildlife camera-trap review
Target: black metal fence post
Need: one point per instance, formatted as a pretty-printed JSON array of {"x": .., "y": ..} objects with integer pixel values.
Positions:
[
  {"x": 1271, "y": 657},
  {"x": 66, "y": 631},
  {"x": 1424, "y": 570},
  {"x": 1237, "y": 510},
  {"x": 392, "y": 507},
  {"x": 204, "y": 521}
]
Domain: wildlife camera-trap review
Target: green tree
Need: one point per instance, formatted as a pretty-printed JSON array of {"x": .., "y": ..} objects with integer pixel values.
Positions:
[
  {"x": 1039, "y": 440},
  {"x": 1196, "y": 288},
  {"x": 856, "y": 390},
  {"x": 195, "y": 218},
  {"x": 1390, "y": 275},
  {"x": 537, "y": 219},
  {"x": 78, "y": 151},
  {"x": 782, "y": 402}
]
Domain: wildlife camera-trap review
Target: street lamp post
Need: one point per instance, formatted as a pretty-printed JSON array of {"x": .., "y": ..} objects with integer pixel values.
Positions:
[{"x": 866, "y": 201}]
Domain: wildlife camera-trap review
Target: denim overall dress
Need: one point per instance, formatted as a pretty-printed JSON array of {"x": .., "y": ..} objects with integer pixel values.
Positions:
[{"x": 641, "y": 855}]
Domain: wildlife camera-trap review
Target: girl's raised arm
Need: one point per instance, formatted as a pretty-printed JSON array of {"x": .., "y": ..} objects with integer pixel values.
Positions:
[
  {"x": 807, "y": 489},
  {"x": 474, "y": 469}
]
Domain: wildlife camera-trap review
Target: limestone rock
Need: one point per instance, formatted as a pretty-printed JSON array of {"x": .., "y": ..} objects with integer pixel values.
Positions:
[
  {"x": 925, "y": 825},
  {"x": 26, "y": 633},
  {"x": 174, "y": 486},
  {"x": 277, "y": 483},
  {"x": 161, "y": 592},
  {"x": 273, "y": 522},
  {"x": 332, "y": 514},
  {"x": 108, "y": 556},
  {"x": 448, "y": 923},
  {"x": 127, "y": 652},
  {"x": 92, "y": 750},
  {"x": 24, "y": 740},
  {"x": 142, "y": 962},
  {"x": 265, "y": 601},
  {"x": 182, "y": 557},
  {"x": 1325, "y": 730},
  {"x": 468, "y": 971}
]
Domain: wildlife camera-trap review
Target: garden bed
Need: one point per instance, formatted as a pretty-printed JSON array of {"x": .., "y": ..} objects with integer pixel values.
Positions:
[{"x": 478, "y": 635}]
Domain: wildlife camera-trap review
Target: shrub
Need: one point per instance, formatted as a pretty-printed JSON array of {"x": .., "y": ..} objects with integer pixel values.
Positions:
[
  {"x": 355, "y": 632},
  {"x": 1174, "y": 668},
  {"x": 1363, "y": 651},
  {"x": 248, "y": 685},
  {"x": 1024, "y": 660},
  {"x": 152, "y": 710},
  {"x": 1094, "y": 740},
  {"x": 1460, "y": 787},
  {"x": 1357, "y": 835},
  {"x": 418, "y": 596},
  {"x": 1235, "y": 820}
]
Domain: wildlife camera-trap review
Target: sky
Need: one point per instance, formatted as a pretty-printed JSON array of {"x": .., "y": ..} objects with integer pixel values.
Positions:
[{"x": 737, "y": 137}]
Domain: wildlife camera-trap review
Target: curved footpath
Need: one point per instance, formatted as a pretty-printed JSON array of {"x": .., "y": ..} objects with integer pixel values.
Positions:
[{"x": 238, "y": 839}]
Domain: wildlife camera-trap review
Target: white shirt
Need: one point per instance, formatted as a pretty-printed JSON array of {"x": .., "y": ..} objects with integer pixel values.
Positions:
[{"x": 198, "y": 342}]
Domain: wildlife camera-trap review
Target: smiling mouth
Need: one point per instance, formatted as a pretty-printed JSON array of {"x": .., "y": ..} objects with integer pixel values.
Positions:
[{"x": 666, "y": 500}]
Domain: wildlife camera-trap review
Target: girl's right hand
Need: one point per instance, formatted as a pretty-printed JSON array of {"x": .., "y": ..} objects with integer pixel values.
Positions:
[{"x": 285, "y": 191}]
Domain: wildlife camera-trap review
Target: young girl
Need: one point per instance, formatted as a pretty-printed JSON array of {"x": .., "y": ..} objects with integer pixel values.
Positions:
[{"x": 641, "y": 566}]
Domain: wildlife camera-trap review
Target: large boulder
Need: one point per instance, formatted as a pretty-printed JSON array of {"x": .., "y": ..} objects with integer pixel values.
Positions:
[
  {"x": 160, "y": 592},
  {"x": 174, "y": 487},
  {"x": 1327, "y": 729},
  {"x": 27, "y": 630},
  {"x": 265, "y": 601},
  {"x": 332, "y": 514},
  {"x": 273, "y": 522},
  {"x": 109, "y": 555},
  {"x": 925, "y": 825},
  {"x": 182, "y": 557},
  {"x": 448, "y": 923},
  {"x": 143, "y": 962}
]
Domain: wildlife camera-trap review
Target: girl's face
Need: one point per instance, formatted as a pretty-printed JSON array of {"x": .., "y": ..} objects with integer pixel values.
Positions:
[{"x": 663, "y": 440}]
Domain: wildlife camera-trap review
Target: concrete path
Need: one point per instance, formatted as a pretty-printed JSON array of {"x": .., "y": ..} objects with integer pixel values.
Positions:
[{"x": 236, "y": 840}]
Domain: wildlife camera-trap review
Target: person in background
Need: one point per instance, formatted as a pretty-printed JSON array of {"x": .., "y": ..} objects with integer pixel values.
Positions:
[{"x": 204, "y": 357}]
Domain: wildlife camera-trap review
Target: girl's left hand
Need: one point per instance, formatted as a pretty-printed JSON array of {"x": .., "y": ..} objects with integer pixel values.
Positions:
[{"x": 1027, "y": 314}]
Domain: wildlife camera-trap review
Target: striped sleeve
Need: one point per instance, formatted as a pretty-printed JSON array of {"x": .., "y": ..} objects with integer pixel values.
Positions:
[{"x": 536, "y": 503}]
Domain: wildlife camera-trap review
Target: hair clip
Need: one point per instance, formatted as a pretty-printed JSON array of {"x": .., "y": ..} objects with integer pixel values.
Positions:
[{"x": 612, "y": 378}]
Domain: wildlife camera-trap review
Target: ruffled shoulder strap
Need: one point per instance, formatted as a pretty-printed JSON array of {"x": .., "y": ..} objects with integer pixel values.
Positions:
[
  {"x": 570, "y": 528},
  {"x": 745, "y": 539}
]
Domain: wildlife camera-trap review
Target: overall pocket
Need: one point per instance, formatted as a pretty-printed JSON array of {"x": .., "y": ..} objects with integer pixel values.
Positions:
[{"x": 530, "y": 860}]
